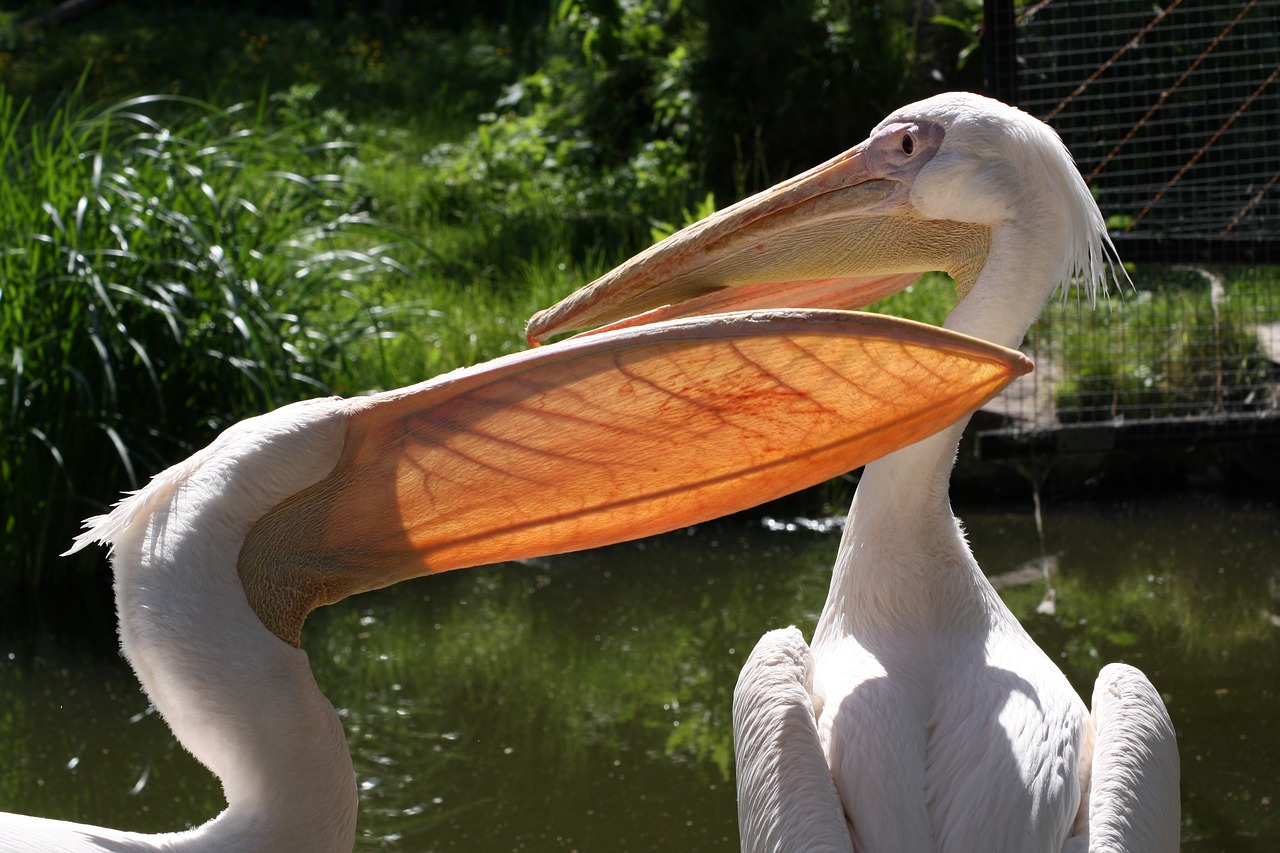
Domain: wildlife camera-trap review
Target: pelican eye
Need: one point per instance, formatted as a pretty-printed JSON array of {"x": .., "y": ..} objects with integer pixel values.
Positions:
[{"x": 908, "y": 144}]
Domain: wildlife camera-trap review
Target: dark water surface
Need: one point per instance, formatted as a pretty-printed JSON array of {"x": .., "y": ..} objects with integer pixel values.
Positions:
[{"x": 583, "y": 703}]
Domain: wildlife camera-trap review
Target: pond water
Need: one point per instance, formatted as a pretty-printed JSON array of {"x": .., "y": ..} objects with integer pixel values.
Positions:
[{"x": 582, "y": 703}]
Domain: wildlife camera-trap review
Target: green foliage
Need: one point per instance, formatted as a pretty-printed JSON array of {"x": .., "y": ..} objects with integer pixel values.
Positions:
[
  {"x": 166, "y": 268},
  {"x": 1180, "y": 348},
  {"x": 360, "y": 64},
  {"x": 573, "y": 145},
  {"x": 964, "y": 20},
  {"x": 928, "y": 300},
  {"x": 782, "y": 86},
  {"x": 637, "y": 109}
]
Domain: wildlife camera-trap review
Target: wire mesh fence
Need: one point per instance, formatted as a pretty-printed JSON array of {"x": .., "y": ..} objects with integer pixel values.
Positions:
[{"x": 1172, "y": 111}]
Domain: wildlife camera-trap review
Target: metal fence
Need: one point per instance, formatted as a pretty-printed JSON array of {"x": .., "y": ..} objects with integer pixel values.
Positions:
[{"x": 1172, "y": 112}]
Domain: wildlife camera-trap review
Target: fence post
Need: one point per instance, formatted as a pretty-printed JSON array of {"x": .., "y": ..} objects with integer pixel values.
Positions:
[{"x": 999, "y": 50}]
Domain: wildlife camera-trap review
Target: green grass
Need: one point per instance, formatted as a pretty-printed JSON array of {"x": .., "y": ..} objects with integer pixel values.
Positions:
[
  {"x": 168, "y": 267},
  {"x": 1185, "y": 343}
]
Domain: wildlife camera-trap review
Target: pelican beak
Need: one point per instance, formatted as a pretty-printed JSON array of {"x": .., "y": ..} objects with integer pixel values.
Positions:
[
  {"x": 842, "y": 235},
  {"x": 606, "y": 438}
]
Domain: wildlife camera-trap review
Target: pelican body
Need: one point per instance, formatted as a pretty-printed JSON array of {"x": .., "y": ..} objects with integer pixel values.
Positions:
[{"x": 922, "y": 717}]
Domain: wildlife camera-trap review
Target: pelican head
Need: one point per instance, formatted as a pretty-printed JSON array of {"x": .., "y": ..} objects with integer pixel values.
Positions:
[{"x": 957, "y": 183}]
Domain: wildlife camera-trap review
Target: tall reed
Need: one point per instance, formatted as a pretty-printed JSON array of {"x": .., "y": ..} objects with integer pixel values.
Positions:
[{"x": 166, "y": 267}]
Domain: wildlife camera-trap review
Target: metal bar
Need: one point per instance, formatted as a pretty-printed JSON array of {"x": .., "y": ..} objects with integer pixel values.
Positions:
[{"x": 1181, "y": 249}]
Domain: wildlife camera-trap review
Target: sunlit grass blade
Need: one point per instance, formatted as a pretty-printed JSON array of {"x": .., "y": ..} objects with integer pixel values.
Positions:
[{"x": 167, "y": 267}]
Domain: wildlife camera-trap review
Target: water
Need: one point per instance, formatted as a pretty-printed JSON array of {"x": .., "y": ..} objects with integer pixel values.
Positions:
[{"x": 582, "y": 703}]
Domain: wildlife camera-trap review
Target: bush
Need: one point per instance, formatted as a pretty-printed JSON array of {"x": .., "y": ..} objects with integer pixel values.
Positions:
[
  {"x": 637, "y": 110},
  {"x": 1178, "y": 349},
  {"x": 577, "y": 145},
  {"x": 166, "y": 268}
]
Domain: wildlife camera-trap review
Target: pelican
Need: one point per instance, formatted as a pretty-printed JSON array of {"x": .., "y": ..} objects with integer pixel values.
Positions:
[
  {"x": 218, "y": 560},
  {"x": 922, "y": 716}
]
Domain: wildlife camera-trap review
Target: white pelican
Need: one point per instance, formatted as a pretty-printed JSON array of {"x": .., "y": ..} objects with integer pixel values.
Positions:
[
  {"x": 923, "y": 717},
  {"x": 219, "y": 559}
]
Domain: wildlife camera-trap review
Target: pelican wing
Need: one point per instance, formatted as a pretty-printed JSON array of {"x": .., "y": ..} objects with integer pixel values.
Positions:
[
  {"x": 786, "y": 799},
  {"x": 1134, "y": 801}
]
